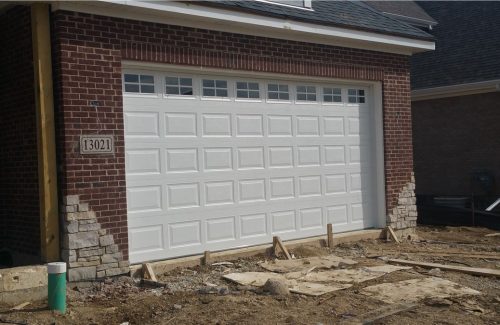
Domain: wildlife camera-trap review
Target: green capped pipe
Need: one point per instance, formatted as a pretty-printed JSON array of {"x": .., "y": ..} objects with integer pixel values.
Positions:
[{"x": 57, "y": 286}]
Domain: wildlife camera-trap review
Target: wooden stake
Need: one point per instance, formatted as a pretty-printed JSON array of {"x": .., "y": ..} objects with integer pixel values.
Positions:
[
  {"x": 148, "y": 273},
  {"x": 393, "y": 235},
  {"x": 463, "y": 269},
  {"x": 206, "y": 258},
  {"x": 329, "y": 234},
  {"x": 277, "y": 243}
]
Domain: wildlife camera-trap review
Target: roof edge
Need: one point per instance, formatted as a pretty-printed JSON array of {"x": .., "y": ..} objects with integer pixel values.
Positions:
[
  {"x": 196, "y": 16},
  {"x": 456, "y": 90}
]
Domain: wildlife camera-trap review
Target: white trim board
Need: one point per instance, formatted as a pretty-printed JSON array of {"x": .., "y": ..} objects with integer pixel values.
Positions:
[
  {"x": 190, "y": 15},
  {"x": 456, "y": 90}
]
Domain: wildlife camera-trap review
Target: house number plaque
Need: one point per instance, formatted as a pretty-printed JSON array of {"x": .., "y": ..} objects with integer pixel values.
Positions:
[{"x": 96, "y": 144}]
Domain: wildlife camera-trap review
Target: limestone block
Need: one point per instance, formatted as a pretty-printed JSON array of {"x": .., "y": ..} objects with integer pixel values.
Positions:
[
  {"x": 87, "y": 221},
  {"x": 71, "y": 227},
  {"x": 101, "y": 274},
  {"x": 117, "y": 271},
  {"x": 88, "y": 259},
  {"x": 90, "y": 252},
  {"x": 80, "y": 215},
  {"x": 83, "y": 264},
  {"x": 111, "y": 258},
  {"x": 83, "y": 207},
  {"x": 69, "y": 208},
  {"x": 111, "y": 249},
  {"x": 71, "y": 200},
  {"x": 124, "y": 264},
  {"x": 89, "y": 227},
  {"x": 106, "y": 240},
  {"x": 82, "y": 273},
  {"x": 104, "y": 267},
  {"x": 102, "y": 232},
  {"x": 81, "y": 240}
]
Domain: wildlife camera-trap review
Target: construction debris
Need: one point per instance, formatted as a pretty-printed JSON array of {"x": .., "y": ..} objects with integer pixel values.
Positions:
[
  {"x": 276, "y": 287},
  {"x": 21, "y": 306},
  {"x": 148, "y": 273},
  {"x": 492, "y": 235},
  {"x": 304, "y": 264},
  {"x": 468, "y": 270},
  {"x": 393, "y": 234},
  {"x": 411, "y": 291},
  {"x": 277, "y": 243}
]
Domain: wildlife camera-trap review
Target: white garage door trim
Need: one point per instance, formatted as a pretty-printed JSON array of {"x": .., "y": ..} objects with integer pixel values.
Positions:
[{"x": 152, "y": 237}]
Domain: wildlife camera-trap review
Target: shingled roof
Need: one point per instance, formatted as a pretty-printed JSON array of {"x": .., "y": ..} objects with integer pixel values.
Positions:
[
  {"x": 347, "y": 14},
  {"x": 467, "y": 45}
]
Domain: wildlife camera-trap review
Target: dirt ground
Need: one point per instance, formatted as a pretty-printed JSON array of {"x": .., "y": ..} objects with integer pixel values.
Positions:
[{"x": 199, "y": 295}]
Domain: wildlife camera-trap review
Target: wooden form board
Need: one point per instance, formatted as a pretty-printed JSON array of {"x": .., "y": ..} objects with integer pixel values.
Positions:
[{"x": 463, "y": 269}]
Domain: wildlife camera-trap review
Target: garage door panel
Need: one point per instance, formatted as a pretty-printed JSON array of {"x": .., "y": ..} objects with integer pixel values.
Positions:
[{"x": 216, "y": 173}]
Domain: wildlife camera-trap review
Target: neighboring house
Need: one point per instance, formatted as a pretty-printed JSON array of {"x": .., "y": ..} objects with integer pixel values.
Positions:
[
  {"x": 215, "y": 125},
  {"x": 456, "y": 103}
]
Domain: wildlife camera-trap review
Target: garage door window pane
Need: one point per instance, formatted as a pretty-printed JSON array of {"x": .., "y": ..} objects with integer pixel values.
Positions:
[
  {"x": 277, "y": 92},
  {"x": 178, "y": 86},
  {"x": 356, "y": 96},
  {"x": 332, "y": 95},
  {"x": 139, "y": 83},
  {"x": 215, "y": 88},
  {"x": 306, "y": 93},
  {"x": 247, "y": 90}
]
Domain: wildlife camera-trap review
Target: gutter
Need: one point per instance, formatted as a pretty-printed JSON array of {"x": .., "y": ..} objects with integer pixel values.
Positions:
[{"x": 456, "y": 90}]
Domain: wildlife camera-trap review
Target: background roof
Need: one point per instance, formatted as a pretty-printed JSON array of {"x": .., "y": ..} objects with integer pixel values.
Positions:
[
  {"x": 467, "y": 45},
  {"x": 348, "y": 14},
  {"x": 402, "y": 9}
]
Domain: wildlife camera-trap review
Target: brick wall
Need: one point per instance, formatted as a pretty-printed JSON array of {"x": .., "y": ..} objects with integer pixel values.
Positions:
[
  {"x": 452, "y": 137},
  {"x": 19, "y": 207},
  {"x": 89, "y": 50}
]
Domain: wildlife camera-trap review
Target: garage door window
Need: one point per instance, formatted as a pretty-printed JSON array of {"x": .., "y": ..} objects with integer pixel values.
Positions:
[
  {"x": 278, "y": 92},
  {"x": 332, "y": 95},
  {"x": 356, "y": 96},
  {"x": 306, "y": 93},
  {"x": 247, "y": 90},
  {"x": 178, "y": 86},
  {"x": 214, "y": 88},
  {"x": 139, "y": 83}
]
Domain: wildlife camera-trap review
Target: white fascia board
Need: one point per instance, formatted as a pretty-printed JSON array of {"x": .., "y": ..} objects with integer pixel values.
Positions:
[
  {"x": 190, "y": 15},
  {"x": 456, "y": 90}
]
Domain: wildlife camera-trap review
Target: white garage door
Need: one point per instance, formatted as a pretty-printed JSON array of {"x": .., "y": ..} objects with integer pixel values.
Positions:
[{"x": 216, "y": 162}]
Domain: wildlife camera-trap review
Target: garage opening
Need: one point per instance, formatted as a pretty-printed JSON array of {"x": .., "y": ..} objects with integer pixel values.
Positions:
[{"x": 217, "y": 161}]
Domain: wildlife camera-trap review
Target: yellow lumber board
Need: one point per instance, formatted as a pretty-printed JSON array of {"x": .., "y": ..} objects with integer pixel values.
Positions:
[{"x": 44, "y": 101}]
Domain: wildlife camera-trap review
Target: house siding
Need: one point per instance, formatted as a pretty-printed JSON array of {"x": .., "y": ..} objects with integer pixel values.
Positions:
[
  {"x": 19, "y": 202},
  {"x": 452, "y": 137},
  {"x": 88, "y": 53}
]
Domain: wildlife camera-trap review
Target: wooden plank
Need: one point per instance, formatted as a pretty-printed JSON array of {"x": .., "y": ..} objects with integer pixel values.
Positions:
[
  {"x": 277, "y": 243},
  {"x": 463, "y": 255},
  {"x": 329, "y": 233},
  {"x": 148, "y": 272},
  {"x": 380, "y": 313},
  {"x": 463, "y": 269},
  {"x": 44, "y": 103},
  {"x": 393, "y": 235},
  {"x": 492, "y": 235}
]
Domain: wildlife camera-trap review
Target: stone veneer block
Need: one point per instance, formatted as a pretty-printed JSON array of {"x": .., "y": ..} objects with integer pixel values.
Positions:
[
  {"x": 81, "y": 240},
  {"x": 81, "y": 273},
  {"x": 71, "y": 200},
  {"x": 80, "y": 215}
]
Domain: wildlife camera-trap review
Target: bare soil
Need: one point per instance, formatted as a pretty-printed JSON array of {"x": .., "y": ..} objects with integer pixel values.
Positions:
[{"x": 199, "y": 295}]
